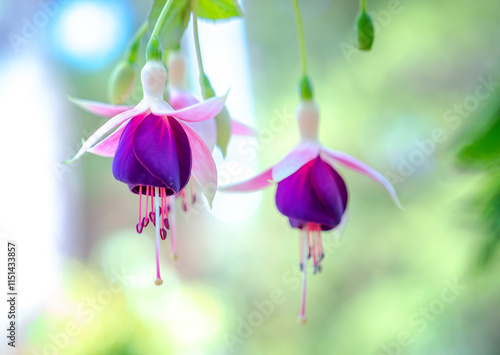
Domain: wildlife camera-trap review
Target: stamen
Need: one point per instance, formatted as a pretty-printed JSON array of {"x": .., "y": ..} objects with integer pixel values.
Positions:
[
  {"x": 163, "y": 234},
  {"x": 145, "y": 219},
  {"x": 301, "y": 250},
  {"x": 140, "y": 204},
  {"x": 158, "y": 280},
  {"x": 139, "y": 227},
  {"x": 192, "y": 188},
  {"x": 184, "y": 204},
  {"x": 304, "y": 239},
  {"x": 173, "y": 236}
]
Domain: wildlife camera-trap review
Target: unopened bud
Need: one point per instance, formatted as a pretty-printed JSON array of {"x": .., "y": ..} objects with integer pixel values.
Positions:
[
  {"x": 364, "y": 31},
  {"x": 176, "y": 68},
  {"x": 121, "y": 82},
  {"x": 207, "y": 90}
]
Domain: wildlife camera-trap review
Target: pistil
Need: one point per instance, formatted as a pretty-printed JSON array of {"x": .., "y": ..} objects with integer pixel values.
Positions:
[
  {"x": 158, "y": 280},
  {"x": 304, "y": 235}
]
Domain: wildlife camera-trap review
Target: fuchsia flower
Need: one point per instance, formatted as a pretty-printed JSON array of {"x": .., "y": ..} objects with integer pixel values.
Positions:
[
  {"x": 310, "y": 192},
  {"x": 155, "y": 151}
]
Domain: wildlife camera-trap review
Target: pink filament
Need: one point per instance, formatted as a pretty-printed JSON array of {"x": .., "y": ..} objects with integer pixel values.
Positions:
[
  {"x": 173, "y": 237},
  {"x": 140, "y": 204},
  {"x": 147, "y": 197}
]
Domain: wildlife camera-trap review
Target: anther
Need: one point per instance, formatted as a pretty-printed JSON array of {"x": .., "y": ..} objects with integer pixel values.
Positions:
[
  {"x": 163, "y": 234},
  {"x": 145, "y": 222},
  {"x": 139, "y": 227},
  {"x": 166, "y": 223}
]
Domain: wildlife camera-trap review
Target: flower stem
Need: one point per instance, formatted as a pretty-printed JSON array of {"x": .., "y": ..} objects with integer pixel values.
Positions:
[
  {"x": 362, "y": 5},
  {"x": 197, "y": 45},
  {"x": 134, "y": 43},
  {"x": 159, "y": 22},
  {"x": 153, "y": 49},
  {"x": 301, "y": 37}
]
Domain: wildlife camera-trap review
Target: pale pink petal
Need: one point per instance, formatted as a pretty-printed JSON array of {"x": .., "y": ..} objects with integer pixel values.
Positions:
[
  {"x": 203, "y": 167},
  {"x": 112, "y": 123},
  {"x": 258, "y": 182},
  {"x": 107, "y": 147},
  {"x": 241, "y": 129},
  {"x": 332, "y": 157},
  {"x": 180, "y": 99},
  {"x": 100, "y": 108},
  {"x": 207, "y": 130},
  {"x": 160, "y": 107},
  {"x": 300, "y": 155},
  {"x": 195, "y": 113}
]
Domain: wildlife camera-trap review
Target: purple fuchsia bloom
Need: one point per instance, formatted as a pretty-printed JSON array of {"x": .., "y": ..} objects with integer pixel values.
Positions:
[
  {"x": 155, "y": 151},
  {"x": 179, "y": 98},
  {"x": 310, "y": 192}
]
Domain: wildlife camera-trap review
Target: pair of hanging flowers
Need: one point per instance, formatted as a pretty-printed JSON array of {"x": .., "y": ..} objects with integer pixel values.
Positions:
[{"x": 162, "y": 150}]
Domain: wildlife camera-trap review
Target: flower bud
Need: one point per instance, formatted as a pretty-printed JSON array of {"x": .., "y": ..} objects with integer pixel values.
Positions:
[
  {"x": 121, "y": 82},
  {"x": 364, "y": 31},
  {"x": 176, "y": 67},
  {"x": 207, "y": 91}
]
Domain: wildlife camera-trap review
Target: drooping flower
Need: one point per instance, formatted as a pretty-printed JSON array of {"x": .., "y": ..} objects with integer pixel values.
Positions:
[
  {"x": 310, "y": 191},
  {"x": 179, "y": 98},
  {"x": 155, "y": 151}
]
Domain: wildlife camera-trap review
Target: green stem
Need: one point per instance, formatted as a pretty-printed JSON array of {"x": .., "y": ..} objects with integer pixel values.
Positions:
[
  {"x": 159, "y": 22},
  {"x": 362, "y": 5},
  {"x": 134, "y": 43},
  {"x": 301, "y": 37},
  {"x": 197, "y": 45}
]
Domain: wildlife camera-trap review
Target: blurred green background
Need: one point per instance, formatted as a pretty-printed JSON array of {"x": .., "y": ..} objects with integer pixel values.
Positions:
[{"x": 395, "y": 282}]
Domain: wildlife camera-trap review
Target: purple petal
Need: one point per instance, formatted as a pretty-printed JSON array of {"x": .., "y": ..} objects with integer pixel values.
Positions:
[
  {"x": 126, "y": 167},
  {"x": 162, "y": 147},
  {"x": 315, "y": 193}
]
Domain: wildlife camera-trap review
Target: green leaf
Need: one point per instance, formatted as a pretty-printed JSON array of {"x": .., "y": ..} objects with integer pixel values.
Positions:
[
  {"x": 219, "y": 9},
  {"x": 483, "y": 143},
  {"x": 175, "y": 22}
]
